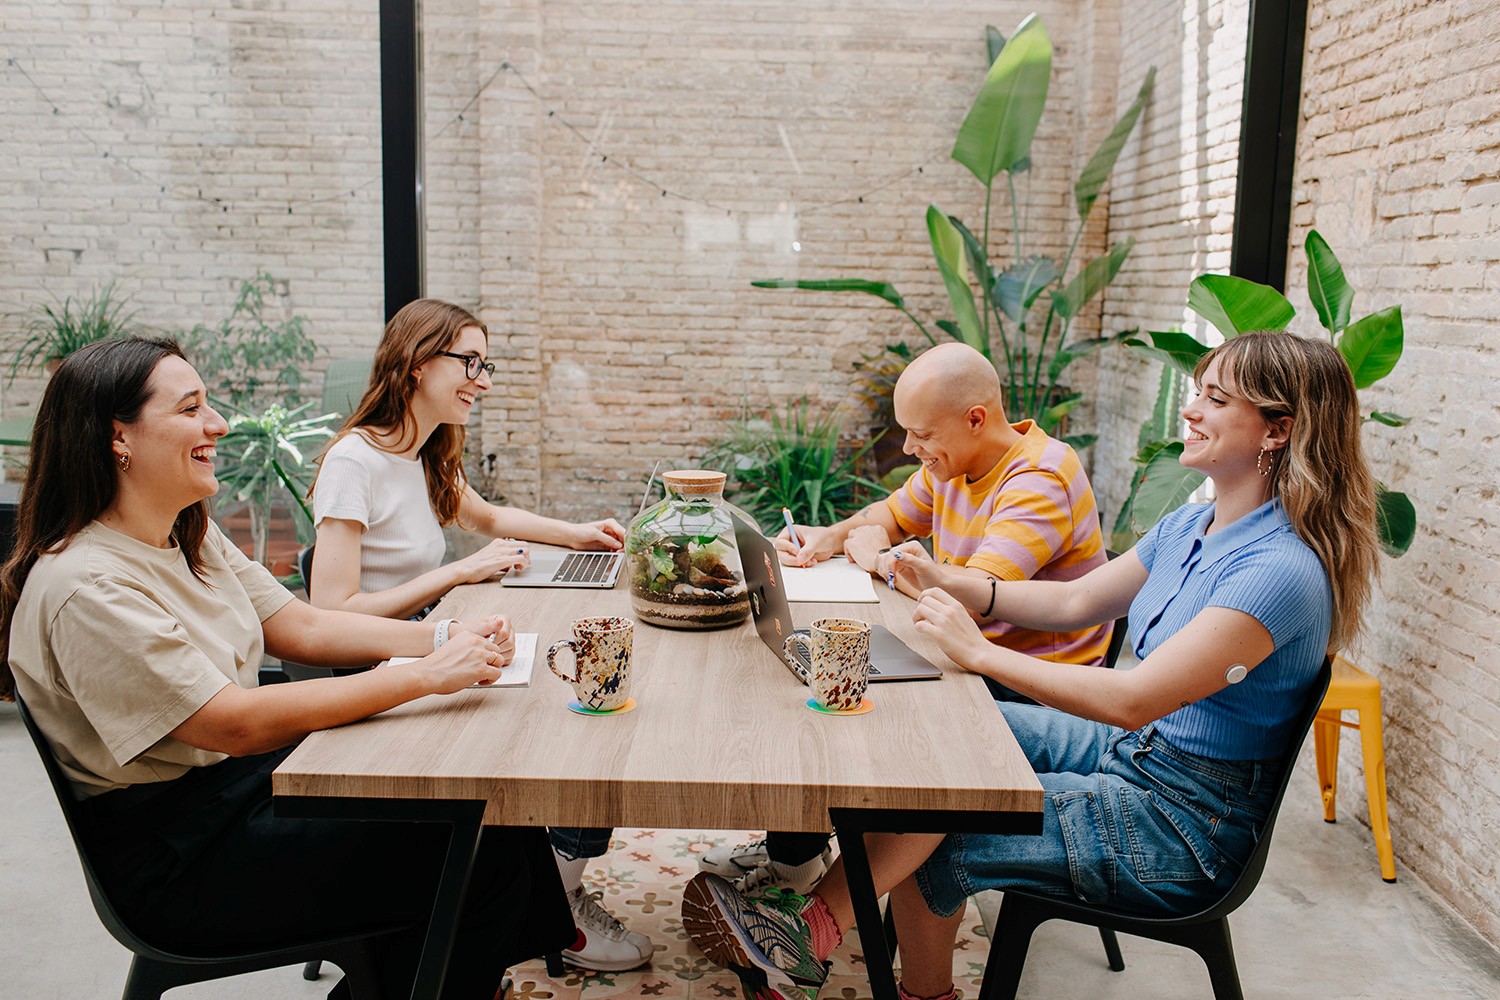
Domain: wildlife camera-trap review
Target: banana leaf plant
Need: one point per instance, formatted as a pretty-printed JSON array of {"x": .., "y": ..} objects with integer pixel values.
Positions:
[
  {"x": 1022, "y": 315},
  {"x": 1372, "y": 346},
  {"x": 263, "y": 454}
]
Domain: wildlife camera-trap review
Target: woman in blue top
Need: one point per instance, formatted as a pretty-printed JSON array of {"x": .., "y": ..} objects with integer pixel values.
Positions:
[{"x": 1157, "y": 780}]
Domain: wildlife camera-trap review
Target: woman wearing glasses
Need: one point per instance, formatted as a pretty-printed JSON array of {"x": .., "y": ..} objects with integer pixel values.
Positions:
[
  {"x": 389, "y": 483},
  {"x": 393, "y": 477}
]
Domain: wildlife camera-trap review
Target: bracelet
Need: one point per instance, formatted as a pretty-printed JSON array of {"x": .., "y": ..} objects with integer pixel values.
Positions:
[
  {"x": 440, "y": 634},
  {"x": 990, "y": 606}
]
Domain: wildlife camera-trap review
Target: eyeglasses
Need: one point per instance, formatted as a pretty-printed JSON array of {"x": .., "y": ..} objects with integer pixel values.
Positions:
[{"x": 473, "y": 363}]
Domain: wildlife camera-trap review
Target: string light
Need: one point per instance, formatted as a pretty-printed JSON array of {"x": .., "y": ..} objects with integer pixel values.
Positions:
[{"x": 553, "y": 115}]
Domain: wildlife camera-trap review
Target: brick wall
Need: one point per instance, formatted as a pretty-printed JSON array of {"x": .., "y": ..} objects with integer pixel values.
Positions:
[
  {"x": 1398, "y": 167},
  {"x": 215, "y": 118}
]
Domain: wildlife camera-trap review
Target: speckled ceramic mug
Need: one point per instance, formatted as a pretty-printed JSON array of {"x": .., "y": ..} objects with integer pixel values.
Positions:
[
  {"x": 839, "y": 651},
  {"x": 601, "y": 654}
]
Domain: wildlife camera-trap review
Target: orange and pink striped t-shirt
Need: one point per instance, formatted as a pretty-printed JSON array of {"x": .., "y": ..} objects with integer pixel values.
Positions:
[{"x": 1032, "y": 516}]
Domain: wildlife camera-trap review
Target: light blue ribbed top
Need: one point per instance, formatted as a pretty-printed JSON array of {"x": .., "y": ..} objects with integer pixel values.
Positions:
[{"x": 1259, "y": 566}]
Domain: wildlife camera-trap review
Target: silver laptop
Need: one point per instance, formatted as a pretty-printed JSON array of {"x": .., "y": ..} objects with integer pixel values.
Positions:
[
  {"x": 890, "y": 658},
  {"x": 599, "y": 570}
]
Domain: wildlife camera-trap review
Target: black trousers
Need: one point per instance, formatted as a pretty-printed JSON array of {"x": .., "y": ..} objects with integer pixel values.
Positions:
[{"x": 202, "y": 864}]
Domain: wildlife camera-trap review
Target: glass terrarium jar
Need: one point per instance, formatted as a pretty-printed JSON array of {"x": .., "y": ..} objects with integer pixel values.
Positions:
[{"x": 683, "y": 564}]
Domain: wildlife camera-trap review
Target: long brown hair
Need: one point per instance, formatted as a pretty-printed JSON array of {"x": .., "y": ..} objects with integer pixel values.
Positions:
[
  {"x": 419, "y": 332},
  {"x": 72, "y": 477},
  {"x": 1321, "y": 476}
]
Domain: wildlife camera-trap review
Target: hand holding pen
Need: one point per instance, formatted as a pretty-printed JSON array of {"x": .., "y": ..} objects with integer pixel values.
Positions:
[{"x": 805, "y": 545}]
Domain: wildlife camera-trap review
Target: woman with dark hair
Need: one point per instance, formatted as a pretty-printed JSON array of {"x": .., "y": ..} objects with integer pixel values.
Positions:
[
  {"x": 1157, "y": 781},
  {"x": 387, "y": 486},
  {"x": 134, "y": 631}
]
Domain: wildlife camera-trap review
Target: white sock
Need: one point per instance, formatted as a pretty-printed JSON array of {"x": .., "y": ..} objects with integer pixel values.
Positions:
[
  {"x": 571, "y": 871},
  {"x": 797, "y": 873}
]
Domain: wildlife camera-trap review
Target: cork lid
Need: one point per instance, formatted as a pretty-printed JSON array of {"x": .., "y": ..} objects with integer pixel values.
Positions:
[{"x": 695, "y": 482}]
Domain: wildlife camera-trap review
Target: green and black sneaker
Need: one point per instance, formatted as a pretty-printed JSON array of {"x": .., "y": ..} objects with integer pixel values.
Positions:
[{"x": 761, "y": 938}]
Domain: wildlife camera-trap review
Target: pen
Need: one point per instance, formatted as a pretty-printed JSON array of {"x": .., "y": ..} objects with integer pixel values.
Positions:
[
  {"x": 791, "y": 531},
  {"x": 890, "y": 578}
]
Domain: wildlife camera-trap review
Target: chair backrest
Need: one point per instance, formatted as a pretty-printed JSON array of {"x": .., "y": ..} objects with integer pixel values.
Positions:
[
  {"x": 304, "y": 568},
  {"x": 344, "y": 384},
  {"x": 1257, "y": 861},
  {"x": 1117, "y": 637},
  {"x": 81, "y": 827}
]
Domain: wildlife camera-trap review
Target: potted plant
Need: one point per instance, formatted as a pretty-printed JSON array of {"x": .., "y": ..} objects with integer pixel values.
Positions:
[
  {"x": 52, "y": 332},
  {"x": 1028, "y": 308},
  {"x": 1372, "y": 346}
]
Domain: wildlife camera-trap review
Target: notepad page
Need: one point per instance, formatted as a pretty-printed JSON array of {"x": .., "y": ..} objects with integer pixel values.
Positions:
[
  {"x": 832, "y": 581},
  {"x": 515, "y": 674}
]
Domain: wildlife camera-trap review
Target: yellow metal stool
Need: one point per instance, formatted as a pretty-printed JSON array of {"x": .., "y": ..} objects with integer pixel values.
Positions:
[{"x": 1353, "y": 689}]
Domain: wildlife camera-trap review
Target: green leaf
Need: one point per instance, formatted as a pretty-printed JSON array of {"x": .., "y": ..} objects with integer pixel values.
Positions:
[
  {"x": 974, "y": 250},
  {"x": 1330, "y": 291},
  {"x": 1235, "y": 305},
  {"x": 1397, "y": 521},
  {"x": 1098, "y": 169},
  {"x": 1078, "y": 442},
  {"x": 1172, "y": 348},
  {"x": 1373, "y": 345},
  {"x": 1019, "y": 285},
  {"x": 951, "y": 329},
  {"x": 1091, "y": 280},
  {"x": 948, "y": 250},
  {"x": 998, "y": 129},
  {"x": 880, "y": 289},
  {"x": 1165, "y": 485},
  {"x": 1389, "y": 419},
  {"x": 1065, "y": 356},
  {"x": 1052, "y": 415},
  {"x": 993, "y": 43}
]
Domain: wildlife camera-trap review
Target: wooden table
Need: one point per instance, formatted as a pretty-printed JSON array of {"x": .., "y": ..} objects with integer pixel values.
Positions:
[{"x": 721, "y": 738}]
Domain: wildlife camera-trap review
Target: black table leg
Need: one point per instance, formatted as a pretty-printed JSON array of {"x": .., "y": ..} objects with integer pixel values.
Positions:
[{"x": 851, "y": 834}]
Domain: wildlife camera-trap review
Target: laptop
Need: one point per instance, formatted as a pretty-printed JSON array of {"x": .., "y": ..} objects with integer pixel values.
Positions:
[
  {"x": 568, "y": 569},
  {"x": 890, "y": 658}
]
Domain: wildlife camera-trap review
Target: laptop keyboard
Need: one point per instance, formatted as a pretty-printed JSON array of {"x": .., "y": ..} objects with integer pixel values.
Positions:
[{"x": 586, "y": 567}]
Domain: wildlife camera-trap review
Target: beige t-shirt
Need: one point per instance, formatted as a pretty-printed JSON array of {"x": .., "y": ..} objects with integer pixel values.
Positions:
[{"x": 115, "y": 643}]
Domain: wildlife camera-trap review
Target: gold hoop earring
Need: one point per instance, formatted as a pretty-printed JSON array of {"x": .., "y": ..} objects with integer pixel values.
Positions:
[
  {"x": 1264, "y": 472},
  {"x": 124, "y": 461}
]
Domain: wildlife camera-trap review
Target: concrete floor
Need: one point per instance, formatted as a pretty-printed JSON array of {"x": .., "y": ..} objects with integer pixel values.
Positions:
[{"x": 1322, "y": 923}]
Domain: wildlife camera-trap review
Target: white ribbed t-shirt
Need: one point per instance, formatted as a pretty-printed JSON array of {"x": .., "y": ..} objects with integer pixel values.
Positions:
[{"x": 387, "y": 494}]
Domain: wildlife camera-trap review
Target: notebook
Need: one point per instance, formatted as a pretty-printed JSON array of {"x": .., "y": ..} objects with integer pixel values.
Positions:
[
  {"x": 832, "y": 581},
  {"x": 515, "y": 674}
]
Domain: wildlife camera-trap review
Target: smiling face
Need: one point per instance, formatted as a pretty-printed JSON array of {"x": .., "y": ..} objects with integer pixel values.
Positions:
[
  {"x": 172, "y": 443},
  {"x": 444, "y": 388},
  {"x": 1226, "y": 431},
  {"x": 937, "y": 435}
]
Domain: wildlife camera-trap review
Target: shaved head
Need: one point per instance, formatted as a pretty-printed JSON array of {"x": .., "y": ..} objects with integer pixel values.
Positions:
[{"x": 950, "y": 379}]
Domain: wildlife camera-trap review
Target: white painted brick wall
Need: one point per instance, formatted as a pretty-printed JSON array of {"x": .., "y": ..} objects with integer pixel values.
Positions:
[{"x": 1397, "y": 167}]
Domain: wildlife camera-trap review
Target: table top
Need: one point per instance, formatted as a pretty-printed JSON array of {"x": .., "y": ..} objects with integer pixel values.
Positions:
[{"x": 721, "y": 738}]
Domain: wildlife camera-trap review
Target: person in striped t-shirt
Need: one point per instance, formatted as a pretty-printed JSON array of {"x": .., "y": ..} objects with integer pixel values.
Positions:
[{"x": 1000, "y": 501}]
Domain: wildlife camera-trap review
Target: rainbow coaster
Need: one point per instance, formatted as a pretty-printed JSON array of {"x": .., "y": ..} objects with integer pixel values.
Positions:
[
  {"x": 576, "y": 706},
  {"x": 865, "y": 706}
]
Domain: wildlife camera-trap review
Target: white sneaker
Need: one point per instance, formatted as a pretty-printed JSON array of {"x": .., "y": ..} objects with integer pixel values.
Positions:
[
  {"x": 735, "y": 860},
  {"x": 607, "y": 946},
  {"x": 799, "y": 879}
]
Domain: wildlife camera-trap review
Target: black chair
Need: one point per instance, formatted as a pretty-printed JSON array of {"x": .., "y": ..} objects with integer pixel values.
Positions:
[
  {"x": 155, "y": 970},
  {"x": 1206, "y": 932}
]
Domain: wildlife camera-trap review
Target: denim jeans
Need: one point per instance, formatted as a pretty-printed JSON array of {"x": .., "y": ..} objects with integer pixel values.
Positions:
[
  {"x": 580, "y": 842},
  {"x": 1128, "y": 820}
]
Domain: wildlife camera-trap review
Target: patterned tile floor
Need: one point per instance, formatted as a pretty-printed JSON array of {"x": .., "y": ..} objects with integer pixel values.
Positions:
[{"x": 642, "y": 879}]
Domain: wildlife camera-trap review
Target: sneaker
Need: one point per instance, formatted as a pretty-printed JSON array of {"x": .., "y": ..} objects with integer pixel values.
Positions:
[
  {"x": 603, "y": 945},
  {"x": 735, "y": 860},
  {"x": 799, "y": 879},
  {"x": 763, "y": 939}
]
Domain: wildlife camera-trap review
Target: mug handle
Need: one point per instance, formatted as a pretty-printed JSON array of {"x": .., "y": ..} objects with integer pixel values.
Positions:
[
  {"x": 804, "y": 642},
  {"x": 552, "y": 651}
]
